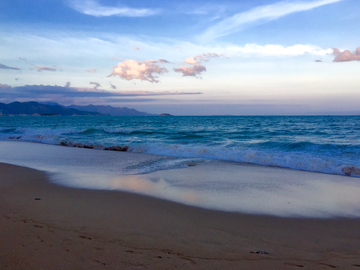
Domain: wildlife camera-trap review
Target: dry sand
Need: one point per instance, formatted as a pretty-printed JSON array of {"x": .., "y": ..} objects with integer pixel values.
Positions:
[{"x": 68, "y": 228}]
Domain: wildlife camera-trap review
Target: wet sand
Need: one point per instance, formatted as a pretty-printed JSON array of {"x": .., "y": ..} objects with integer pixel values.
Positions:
[{"x": 45, "y": 226}]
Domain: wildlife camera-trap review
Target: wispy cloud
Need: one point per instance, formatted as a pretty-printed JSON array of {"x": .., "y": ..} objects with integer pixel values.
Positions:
[
  {"x": 112, "y": 86},
  {"x": 68, "y": 84},
  {"x": 7, "y": 67},
  {"x": 96, "y": 85},
  {"x": 277, "y": 50},
  {"x": 93, "y": 8},
  {"x": 131, "y": 69},
  {"x": 346, "y": 55},
  {"x": 91, "y": 70},
  {"x": 73, "y": 94},
  {"x": 259, "y": 14},
  {"x": 43, "y": 68}
]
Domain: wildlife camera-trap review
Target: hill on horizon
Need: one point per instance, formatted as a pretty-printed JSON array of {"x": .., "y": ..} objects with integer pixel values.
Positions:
[
  {"x": 32, "y": 107},
  {"x": 107, "y": 109}
]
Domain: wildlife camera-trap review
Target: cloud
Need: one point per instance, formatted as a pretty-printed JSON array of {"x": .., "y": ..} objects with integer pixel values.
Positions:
[
  {"x": 162, "y": 61},
  {"x": 135, "y": 48},
  {"x": 131, "y": 69},
  {"x": 96, "y": 85},
  {"x": 91, "y": 70},
  {"x": 63, "y": 94},
  {"x": 259, "y": 14},
  {"x": 318, "y": 61},
  {"x": 7, "y": 67},
  {"x": 178, "y": 48},
  {"x": 5, "y": 86},
  {"x": 196, "y": 61},
  {"x": 346, "y": 55},
  {"x": 93, "y": 8},
  {"x": 278, "y": 50},
  {"x": 68, "y": 84},
  {"x": 191, "y": 71},
  {"x": 112, "y": 86},
  {"x": 42, "y": 68}
]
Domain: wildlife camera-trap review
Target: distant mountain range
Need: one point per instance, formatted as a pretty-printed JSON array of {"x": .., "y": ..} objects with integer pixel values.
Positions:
[
  {"x": 32, "y": 107},
  {"x": 51, "y": 108},
  {"x": 113, "y": 111}
]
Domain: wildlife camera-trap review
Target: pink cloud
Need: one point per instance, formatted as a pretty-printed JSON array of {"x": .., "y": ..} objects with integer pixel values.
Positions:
[
  {"x": 346, "y": 55},
  {"x": 42, "y": 68},
  {"x": 196, "y": 68},
  {"x": 5, "y": 86},
  {"x": 195, "y": 60},
  {"x": 191, "y": 71},
  {"x": 131, "y": 69},
  {"x": 91, "y": 70}
]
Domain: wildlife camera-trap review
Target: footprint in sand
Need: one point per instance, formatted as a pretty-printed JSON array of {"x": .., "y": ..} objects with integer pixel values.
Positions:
[{"x": 294, "y": 264}]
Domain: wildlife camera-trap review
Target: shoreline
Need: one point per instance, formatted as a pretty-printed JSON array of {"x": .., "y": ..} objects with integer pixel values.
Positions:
[
  {"x": 218, "y": 185},
  {"x": 95, "y": 229}
]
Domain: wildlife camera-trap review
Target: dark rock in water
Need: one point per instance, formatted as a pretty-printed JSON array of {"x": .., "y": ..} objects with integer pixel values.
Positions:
[
  {"x": 259, "y": 252},
  {"x": 118, "y": 148},
  {"x": 80, "y": 145},
  {"x": 351, "y": 170}
]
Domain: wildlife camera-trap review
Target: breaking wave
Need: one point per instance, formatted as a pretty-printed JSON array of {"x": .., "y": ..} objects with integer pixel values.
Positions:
[{"x": 311, "y": 144}]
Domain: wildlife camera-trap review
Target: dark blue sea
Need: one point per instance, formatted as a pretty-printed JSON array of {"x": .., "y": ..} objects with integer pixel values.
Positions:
[{"x": 328, "y": 144}]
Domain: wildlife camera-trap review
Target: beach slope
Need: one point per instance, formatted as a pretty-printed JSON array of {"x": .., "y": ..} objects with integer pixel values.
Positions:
[{"x": 45, "y": 226}]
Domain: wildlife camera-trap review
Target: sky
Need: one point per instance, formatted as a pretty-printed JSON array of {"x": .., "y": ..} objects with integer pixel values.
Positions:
[{"x": 243, "y": 57}]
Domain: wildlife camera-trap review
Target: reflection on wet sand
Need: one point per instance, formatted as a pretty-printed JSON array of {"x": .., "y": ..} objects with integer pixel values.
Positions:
[{"x": 307, "y": 195}]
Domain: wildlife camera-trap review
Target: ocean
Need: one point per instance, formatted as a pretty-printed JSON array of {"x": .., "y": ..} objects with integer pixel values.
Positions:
[
  {"x": 291, "y": 166},
  {"x": 326, "y": 144}
]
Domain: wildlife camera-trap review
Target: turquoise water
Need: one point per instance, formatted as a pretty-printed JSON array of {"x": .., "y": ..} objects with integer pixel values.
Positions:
[{"x": 328, "y": 144}]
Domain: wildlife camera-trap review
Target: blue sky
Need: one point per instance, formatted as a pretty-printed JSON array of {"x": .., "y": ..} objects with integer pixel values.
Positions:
[{"x": 189, "y": 57}]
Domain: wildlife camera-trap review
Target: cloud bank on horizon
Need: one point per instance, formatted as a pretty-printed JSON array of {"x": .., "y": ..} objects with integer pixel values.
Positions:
[
  {"x": 68, "y": 95},
  {"x": 7, "y": 67},
  {"x": 240, "y": 50}
]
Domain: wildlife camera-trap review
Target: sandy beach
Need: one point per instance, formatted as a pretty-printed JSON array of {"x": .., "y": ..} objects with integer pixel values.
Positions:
[{"x": 45, "y": 226}]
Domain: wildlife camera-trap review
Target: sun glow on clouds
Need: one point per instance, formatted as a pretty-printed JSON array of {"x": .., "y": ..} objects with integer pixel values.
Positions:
[
  {"x": 42, "y": 68},
  {"x": 196, "y": 68},
  {"x": 131, "y": 69},
  {"x": 346, "y": 55},
  {"x": 93, "y": 8}
]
